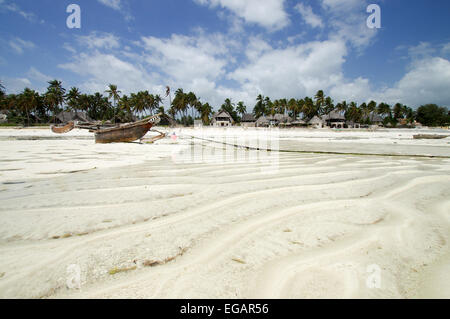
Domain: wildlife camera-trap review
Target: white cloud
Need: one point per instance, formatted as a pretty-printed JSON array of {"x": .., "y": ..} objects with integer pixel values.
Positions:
[
  {"x": 309, "y": 16},
  {"x": 269, "y": 14},
  {"x": 38, "y": 76},
  {"x": 427, "y": 81},
  {"x": 194, "y": 63},
  {"x": 19, "y": 45},
  {"x": 12, "y": 7},
  {"x": 347, "y": 19},
  {"x": 97, "y": 40},
  {"x": 120, "y": 6},
  {"x": 33, "y": 79},
  {"x": 295, "y": 71},
  {"x": 422, "y": 50},
  {"x": 185, "y": 58},
  {"x": 16, "y": 85},
  {"x": 113, "y": 4},
  {"x": 101, "y": 69},
  {"x": 358, "y": 90},
  {"x": 446, "y": 49},
  {"x": 69, "y": 48}
]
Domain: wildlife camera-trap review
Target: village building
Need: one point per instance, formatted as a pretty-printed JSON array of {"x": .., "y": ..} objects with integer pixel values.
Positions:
[
  {"x": 335, "y": 120},
  {"x": 279, "y": 120},
  {"x": 3, "y": 118},
  {"x": 72, "y": 116},
  {"x": 222, "y": 119},
  {"x": 262, "y": 122},
  {"x": 317, "y": 122},
  {"x": 374, "y": 119},
  {"x": 299, "y": 123},
  {"x": 248, "y": 120},
  {"x": 351, "y": 124}
]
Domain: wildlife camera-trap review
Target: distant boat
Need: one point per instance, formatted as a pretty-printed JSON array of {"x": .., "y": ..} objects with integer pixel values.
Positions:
[
  {"x": 429, "y": 137},
  {"x": 63, "y": 129}
]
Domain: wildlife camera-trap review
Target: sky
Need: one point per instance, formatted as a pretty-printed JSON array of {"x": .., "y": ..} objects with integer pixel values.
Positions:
[{"x": 234, "y": 49}]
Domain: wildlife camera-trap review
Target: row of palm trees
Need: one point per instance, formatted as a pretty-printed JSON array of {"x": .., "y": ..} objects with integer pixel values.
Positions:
[
  {"x": 322, "y": 104},
  {"x": 30, "y": 106}
]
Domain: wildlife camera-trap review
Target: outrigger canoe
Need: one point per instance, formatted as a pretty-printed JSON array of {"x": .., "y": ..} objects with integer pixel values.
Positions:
[
  {"x": 63, "y": 129},
  {"x": 429, "y": 137},
  {"x": 125, "y": 133}
]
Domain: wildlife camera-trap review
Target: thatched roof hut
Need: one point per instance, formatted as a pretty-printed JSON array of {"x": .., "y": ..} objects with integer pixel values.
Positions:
[
  {"x": 248, "y": 118},
  {"x": 222, "y": 118},
  {"x": 334, "y": 116},
  {"x": 71, "y": 116},
  {"x": 374, "y": 118},
  {"x": 262, "y": 122},
  {"x": 316, "y": 120}
]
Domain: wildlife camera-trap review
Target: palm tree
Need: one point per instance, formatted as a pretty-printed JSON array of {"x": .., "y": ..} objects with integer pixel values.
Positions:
[
  {"x": 342, "y": 107},
  {"x": 372, "y": 106},
  {"x": 156, "y": 104},
  {"x": 268, "y": 106},
  {"x": 365, "y": 112},
  {"x": 139, "y": 102},
  {"x": 72, "y": 98},
  {"x": 410, "y": 115},
  {"x": 2, "y": 91},
  {"x": 28, "y": 101},
  {"x": 206, "y": 113},
  {"x": 398, "y": 111},
  {"x": 125, "y": 105},
  {"x": 168, "y": 95},
  {"x": 192, "y": 102},
  {"x": 84, "y": 102},
  {"x": 354, "y": 113},
  {"x": 180, "y": 102},
  {"x": 148, "y": 101},
  {"x": 320, "y": 101},
  {"x": 241, "y": 108},
  {"x": 309, "y": 108},
  {"x": 284, "y": 106},
  {"x": 114, "y": 93},
  {"x": 384, "y": 109},
  {"x": 55, "y": 96},
  {"x": 329, "y": 106},
  {"x": 259, "y": 109},
  {"x": 293, "y": 107}
]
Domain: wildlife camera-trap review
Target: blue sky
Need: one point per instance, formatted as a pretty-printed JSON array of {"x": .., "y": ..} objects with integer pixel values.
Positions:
[{"x": 232, "y": 48}]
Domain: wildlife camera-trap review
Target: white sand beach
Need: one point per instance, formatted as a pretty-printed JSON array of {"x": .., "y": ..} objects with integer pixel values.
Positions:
[{"x": 185, "y": 219}]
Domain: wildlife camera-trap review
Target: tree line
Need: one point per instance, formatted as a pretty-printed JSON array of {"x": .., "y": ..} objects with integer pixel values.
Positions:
[{"x": 30, "y": 107}]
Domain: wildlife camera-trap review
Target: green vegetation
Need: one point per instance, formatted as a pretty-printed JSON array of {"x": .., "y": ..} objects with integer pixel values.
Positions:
[
  {"x": 433, "y": 115},
  {"x": 31, "y": 108}
]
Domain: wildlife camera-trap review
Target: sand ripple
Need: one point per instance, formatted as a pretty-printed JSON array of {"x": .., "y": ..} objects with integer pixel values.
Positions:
[{"x": 228, "y": 230}]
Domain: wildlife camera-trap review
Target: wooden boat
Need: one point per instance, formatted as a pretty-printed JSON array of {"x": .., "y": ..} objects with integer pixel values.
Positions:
[
  {"x": 126, "y": 133},
  {"x": 429, "y": 137},
  {"x": 63, "y": 129}
]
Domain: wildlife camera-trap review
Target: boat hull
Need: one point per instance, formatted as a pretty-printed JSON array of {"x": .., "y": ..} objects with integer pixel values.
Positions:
[
  {"x": 63, "y": 129},
  {"x": 124, "y": 134},
  {"x": 429, "y": 137}
]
